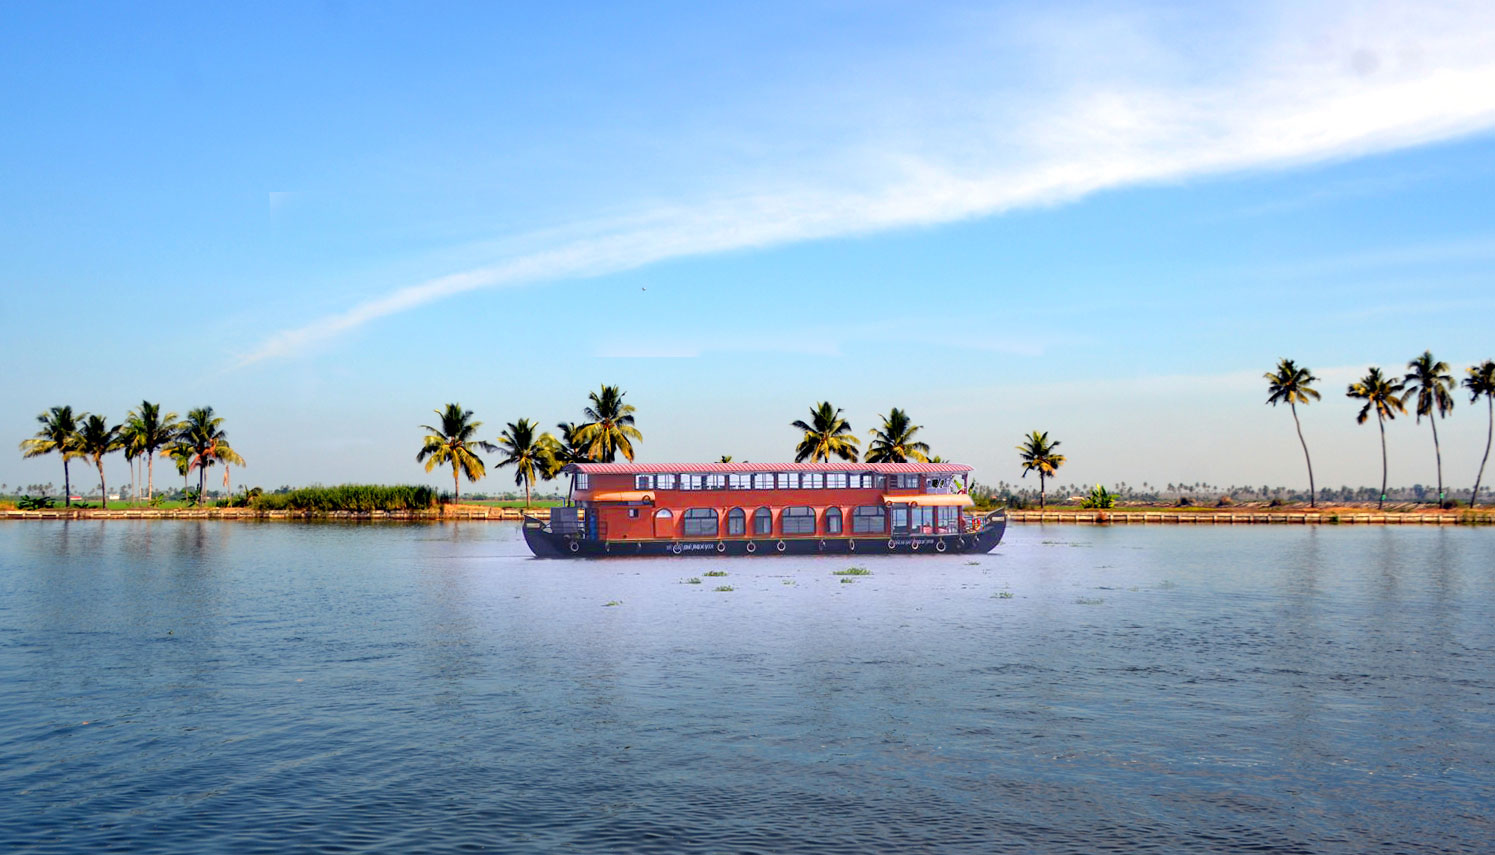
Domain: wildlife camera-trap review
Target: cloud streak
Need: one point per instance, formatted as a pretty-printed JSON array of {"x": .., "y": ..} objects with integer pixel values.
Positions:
[{"x": 1296, "y": 90}]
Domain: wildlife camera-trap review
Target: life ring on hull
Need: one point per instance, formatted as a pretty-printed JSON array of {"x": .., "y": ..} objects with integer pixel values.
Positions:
[
  {"x": 575, "y": 546},
  {"x": 781, "y": 547},
  {"x": 721, "y": 547},
  {"x": 939, "y": 546},
  {"x": 914, "y": 545},
  {"x": 891, "y": 545},
  {"x": 675, "y": 548},
  {"x": 752, "y": 547},
  {"x": 851, "y": 546},
  {"x": 822, "y": 546}
]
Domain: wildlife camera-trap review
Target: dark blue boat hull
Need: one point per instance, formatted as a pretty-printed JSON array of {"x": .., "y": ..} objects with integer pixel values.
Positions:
[{"x": 547, "y": 544}]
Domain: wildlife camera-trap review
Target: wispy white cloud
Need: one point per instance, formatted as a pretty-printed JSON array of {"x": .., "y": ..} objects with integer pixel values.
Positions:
[{"x": 1134, "y": 100}]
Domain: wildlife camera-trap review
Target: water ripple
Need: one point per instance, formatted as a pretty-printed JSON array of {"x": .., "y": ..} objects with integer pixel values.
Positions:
[{"x": 181, "y": 688}]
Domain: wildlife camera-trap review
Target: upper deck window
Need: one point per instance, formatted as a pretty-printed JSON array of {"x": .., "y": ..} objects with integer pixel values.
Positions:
[
  {"x": 763, "y": 481},
  {"x": 582, "y": 481},
  {"x": 716, "y": 481},
  {"x": 643, "y": 482},
  {"x": 906, "y": 481},
  {"x": 835, "y": 480},
  {"x": 664, "y": 482},
  {"x": 788, "y": 480},
  {"x": 739, "y": 481},
  {"x": 812, "y": 480},
  {"x": 690, "y": 482}
]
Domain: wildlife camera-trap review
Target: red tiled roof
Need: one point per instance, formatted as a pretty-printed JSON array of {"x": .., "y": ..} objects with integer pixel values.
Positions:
[{"x": 838, "y": 466}]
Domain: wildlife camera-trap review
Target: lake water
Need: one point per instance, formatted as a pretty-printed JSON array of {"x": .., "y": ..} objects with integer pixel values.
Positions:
[{"x": 184, "y": 687}]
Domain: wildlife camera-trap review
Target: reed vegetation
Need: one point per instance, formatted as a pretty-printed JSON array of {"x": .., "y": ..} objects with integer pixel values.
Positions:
[{"x": 348, "y": 497}]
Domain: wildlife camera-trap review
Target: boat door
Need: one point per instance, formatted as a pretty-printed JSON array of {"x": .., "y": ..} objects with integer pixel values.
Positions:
[
  {"x": 664, "y": 523},
  {"x": 900, "y": 518}
]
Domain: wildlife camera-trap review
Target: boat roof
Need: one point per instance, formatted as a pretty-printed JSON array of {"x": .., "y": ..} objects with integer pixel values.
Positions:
[{"x": 705, "y": 468}]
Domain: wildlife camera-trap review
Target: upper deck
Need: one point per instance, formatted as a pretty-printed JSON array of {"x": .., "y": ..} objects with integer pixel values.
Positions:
[
  {"x": 667, "y": 501},
  {"x": 771, "y": 483}
]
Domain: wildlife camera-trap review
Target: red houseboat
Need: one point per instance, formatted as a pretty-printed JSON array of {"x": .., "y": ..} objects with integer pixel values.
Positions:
[{"x": 764, "y": 509}]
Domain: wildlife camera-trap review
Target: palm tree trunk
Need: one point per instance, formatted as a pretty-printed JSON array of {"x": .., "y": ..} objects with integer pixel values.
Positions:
[
  {"x": 1490, "y": 434},
  {"x": 67, "y": 483},
  {"x": 1040, "y": 490},
  {"x": 1438, "y": 452},
  {"x": 150, "y": 484},
  {"x": 103, "y": 489},
  {"x": 526, "y": 494},
  {"x": 1312, "y": 494},
  {"x": 456, "y": 496},
  {"x": 1381, "y": 503}
]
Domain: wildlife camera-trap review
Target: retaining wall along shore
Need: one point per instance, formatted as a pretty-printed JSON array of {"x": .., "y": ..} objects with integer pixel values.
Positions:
[
  {"x": 460, "y": 512},
  {"x": 1252, "y": 518}
]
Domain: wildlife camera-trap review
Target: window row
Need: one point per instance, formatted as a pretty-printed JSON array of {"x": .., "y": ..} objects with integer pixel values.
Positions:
[
  {"x": 776, "y": 481},
  {"x": 772, "y": 481},
  {"x": 705, "y": 522}
]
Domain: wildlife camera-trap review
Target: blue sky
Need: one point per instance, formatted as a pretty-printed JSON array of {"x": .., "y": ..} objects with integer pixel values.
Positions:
[{"x": 1103, "y": 221}]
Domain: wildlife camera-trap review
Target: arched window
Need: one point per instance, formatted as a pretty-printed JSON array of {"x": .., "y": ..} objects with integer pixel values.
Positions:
[
  {"x": 664, "y": 523},
  {"x": 699, "y": 522},
  {"x": 763, "y": 521},
  {"x": 869, "y": 519},
  {"x": 832, "y": 523},
  {"x": 736, "y": 522},
  {"x": 797, "y": 521}
]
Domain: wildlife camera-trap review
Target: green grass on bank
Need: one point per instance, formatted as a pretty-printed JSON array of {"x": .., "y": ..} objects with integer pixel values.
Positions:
[
  {"x": 514, "y": 503},
  {"x": 10, "y": 502}
]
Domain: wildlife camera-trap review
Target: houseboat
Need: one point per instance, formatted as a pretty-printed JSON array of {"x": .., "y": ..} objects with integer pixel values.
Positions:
[{"x": 764, "y": 509}]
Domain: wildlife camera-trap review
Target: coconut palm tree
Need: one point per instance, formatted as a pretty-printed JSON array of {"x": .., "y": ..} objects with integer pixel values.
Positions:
[
  {"x": 610, "y": 429},
  {"x": 1434, "y": 387},
  {"x": 1384, "y": 395},
  {"x": 95, "y": 439},
  {"x": 726, "y": 458},
  {"x": 150, "y": 430},
  {"x": 180, "y": 454},
  {"x": 130, "y": 445},
  {"x": 894, "y": 441},
  {"x": 453, "y": 443},
  {"x": 530, "y": 455},
  {"x": 59, "y": 433},
  {"x": 1481, "y": 381},
  {"x": 203, "y": 434},
  {"x": 567, "y": 450},
  {"x": 826, "y": 434},
  {"x": 1037, "y": 453},
  {"x": 1293, "y": 384}
]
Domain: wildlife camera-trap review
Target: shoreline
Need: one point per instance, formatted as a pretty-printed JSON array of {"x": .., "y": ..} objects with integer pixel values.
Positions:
[
  {"x": 1160, "y": 516},
  {"x": 446, "y": 512},
  {"x": 1179, "y": 516}
]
